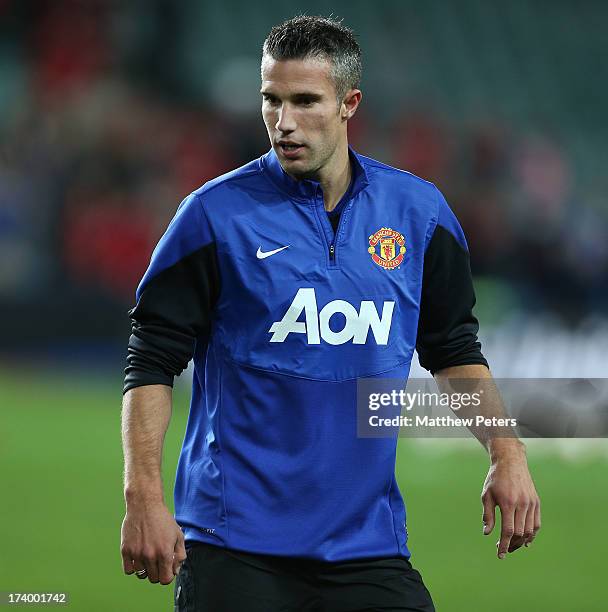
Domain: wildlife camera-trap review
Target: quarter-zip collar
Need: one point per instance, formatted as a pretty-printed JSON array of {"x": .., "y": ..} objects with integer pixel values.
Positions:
[{"x": 306, "y": 190}]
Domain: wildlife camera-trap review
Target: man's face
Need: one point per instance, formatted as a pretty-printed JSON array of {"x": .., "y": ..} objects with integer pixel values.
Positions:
[{"x": 301, "y": 113}]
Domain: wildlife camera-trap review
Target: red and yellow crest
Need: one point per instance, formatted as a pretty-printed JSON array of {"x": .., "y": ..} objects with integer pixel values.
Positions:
[{"x": 387, "y": 248}]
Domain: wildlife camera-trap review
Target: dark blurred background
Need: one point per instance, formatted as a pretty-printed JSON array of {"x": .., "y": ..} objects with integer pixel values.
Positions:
[{"x": 112, "y": 112}]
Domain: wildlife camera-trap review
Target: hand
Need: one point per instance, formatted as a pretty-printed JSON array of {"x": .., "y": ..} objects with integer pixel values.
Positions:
[
  {"x": 509, "y": 486},
  {"x": 151, "y": 540}
]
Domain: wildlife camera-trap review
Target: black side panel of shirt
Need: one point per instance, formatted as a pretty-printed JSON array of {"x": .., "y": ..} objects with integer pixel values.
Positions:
[
  {"x": 173, "y": 313},
  {"x": 447, "y": 329}
]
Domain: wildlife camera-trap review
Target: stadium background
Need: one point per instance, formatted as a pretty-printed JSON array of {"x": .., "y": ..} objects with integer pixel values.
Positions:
[{"x": 112, "y": 111}]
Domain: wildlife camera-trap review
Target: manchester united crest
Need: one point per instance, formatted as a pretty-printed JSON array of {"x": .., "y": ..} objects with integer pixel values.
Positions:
[{"x": 387, "y": 248}]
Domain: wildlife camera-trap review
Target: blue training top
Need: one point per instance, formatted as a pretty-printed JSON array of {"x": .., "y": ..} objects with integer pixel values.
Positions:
[{"x": 282, "y": 317}]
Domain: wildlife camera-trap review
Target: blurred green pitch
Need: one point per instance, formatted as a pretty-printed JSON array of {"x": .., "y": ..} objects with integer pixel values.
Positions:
[{"x": 62, "y": 507}]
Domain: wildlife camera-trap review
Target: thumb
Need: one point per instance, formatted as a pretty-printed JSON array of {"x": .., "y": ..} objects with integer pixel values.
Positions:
[
  {"x": 179, "y": 554},
  {"x": 488, "y": 518}
]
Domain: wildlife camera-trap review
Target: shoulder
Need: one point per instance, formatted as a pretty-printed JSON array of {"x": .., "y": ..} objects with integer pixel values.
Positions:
[
  {"x": 233, "y": 189},
  {"x": 423, "y": 194},
  {"x": 378, "y": 171},
  {"x": 238, "y": 177},
  {"x": 193, "y": 213},
  {"x": 402, "y": 188}
]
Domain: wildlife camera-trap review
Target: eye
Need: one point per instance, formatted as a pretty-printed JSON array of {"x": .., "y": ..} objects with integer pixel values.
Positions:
[{"x": 269, "y": 98}]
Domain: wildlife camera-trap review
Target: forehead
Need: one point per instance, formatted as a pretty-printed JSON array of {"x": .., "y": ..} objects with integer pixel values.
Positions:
[{"x": 296, "y": 75}]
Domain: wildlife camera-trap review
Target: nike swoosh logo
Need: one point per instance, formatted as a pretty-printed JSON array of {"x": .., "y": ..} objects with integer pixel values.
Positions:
[{"x": 262, "y": 255}]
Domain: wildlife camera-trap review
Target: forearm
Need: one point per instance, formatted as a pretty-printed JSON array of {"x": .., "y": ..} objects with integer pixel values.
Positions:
[
  {"x": 500, "y": 442},
  {"x": 146, "y": 413}
]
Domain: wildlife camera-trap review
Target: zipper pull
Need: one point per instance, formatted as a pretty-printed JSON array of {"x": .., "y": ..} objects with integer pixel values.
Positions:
[{"x": 332, "y": 251}]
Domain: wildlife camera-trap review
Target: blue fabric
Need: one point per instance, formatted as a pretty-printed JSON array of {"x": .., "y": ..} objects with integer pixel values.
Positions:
[
  {"x": 271, "y": 462},
  {"x": 187, "y": 232},
  {"x": 334, "y": 214}
]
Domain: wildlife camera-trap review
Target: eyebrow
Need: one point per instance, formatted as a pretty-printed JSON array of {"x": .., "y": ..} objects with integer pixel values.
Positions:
[{"x": 296, "y": 97}]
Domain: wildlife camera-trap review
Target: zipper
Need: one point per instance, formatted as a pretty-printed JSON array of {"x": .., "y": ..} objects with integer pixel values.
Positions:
[
  {"x": 338, "y": 233},
  {"x": 326, "y": 224},
  {"x": 326, "y": 229}
]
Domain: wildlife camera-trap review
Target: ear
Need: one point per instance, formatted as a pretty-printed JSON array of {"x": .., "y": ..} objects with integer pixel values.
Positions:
[{"x": 349, "y": 105}]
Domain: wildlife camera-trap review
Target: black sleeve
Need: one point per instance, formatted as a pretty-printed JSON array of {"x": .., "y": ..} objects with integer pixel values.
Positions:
[
  {"x": 172, "y": 314},
  {"x": 447, "y": 329}
]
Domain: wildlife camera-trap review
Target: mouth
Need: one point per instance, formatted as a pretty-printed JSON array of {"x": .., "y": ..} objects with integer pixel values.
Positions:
[{"x": 290, "y": 149}]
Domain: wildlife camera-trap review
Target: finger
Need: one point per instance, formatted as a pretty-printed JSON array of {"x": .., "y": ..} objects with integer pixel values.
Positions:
[
  {"x": 139, "y": 567},
  {"x": 179, "y": 554},
  {"x": 488, "y": 518},
  {"x": 519, "y": 527},
  {"x": 507, "y": 513},
  {"x": 151, "y": 565},
  {"x": 127, "y": 562},
  {"x": 165, "y": 569},
  {"x": 529, "y": 526},
  {"x": 537, "y": 517},
  {"x": 536, "y": 524}
]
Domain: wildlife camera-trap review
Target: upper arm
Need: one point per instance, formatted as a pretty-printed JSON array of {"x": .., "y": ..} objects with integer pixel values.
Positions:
[
  {"x": 447, "y": 328},
  {"x": 175, "y": 299}
]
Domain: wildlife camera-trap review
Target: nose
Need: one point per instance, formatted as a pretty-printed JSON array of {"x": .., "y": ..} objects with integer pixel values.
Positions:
[{"x": 286, "y": 121}]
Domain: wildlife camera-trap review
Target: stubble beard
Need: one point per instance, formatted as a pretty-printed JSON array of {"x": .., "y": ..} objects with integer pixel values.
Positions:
[{"x": 313, "y": 171}]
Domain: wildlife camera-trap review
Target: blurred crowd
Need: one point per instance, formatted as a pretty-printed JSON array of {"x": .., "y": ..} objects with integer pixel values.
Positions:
[
  {"x": 99, "y": 143},
  {"x": 530, "y": 229}
]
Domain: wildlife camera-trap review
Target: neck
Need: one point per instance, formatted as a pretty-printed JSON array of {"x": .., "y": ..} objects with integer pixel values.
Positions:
[{"x": 335, "y": 177}]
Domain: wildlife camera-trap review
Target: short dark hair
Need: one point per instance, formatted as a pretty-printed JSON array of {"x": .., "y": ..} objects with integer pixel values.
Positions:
[{"x": 306, "y": 36}]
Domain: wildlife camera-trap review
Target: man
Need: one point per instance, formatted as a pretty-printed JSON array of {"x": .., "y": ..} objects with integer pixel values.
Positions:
[{"x": 287, "y": 280}]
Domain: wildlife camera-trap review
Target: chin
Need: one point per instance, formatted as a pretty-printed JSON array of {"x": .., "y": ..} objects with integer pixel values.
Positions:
[{"x": 296, "y": 167}]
